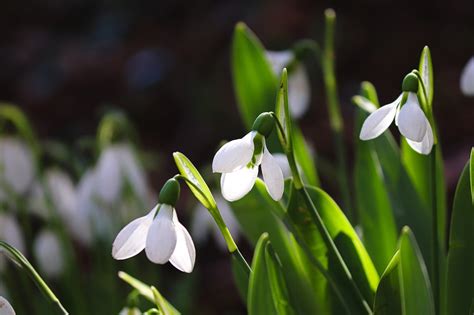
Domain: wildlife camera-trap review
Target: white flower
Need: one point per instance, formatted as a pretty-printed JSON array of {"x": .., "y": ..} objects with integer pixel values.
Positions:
[
  {"x": 203, "y": 223},
  {"x": 299, "y": 93},
  {"x": 16, "y": 165},
  {"x": 162, "y": 236},
  {"x": 48, "y": 253},
  {"x": 410, "y": 119},
  {"x": 130, "y": 311},
  {"x": 238, "y": 161},
  {"x": 10, "y": 232},
  {"x": 467, "y": 78},
  {"x": 5, "y": 307},
  {"x": 117, "y": 166}
]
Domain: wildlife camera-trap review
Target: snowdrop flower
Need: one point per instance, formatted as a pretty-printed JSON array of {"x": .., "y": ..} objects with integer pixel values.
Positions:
[
  {"x": 48, "y": 253},
  {"x": 5, "y": 307},
  {"x": 467, "y": 78},
  {"x": 409, "y": 117},
  {"x": 160, "y": 233},
  {"x": 10, "y": 232},
  {"x": 118, "y": 165},
  {"x": 239, "y": 161},
  {"x": 299, "y": 93},
  {"x": 16, "y": 165},
  {"x": 130, "y": 311},
  {"x": 203, "y": 224}
]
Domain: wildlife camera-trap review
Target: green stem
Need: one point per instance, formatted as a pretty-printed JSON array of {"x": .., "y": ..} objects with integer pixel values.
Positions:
[
  {"x": 335, "y": 118},
  {"x": 237, "y": 255},
  {"x": 435, "y": 244}
]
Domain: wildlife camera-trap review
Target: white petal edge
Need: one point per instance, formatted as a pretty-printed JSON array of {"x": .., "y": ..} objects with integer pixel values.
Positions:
[
  {"x": 411, "y": 119},
  {"x": 425, "y": 146},
  {"x": 299, "y": 91},
  {"x": 234, "y": 154},
  {"x": 184, "y": 254},
  {"x": 379, "y": 120},
  {"x": 131, "y": 240},
  {"x": 5, "y": 307},
  {"x": 237, "y": 184},
  {"x": 272, "y": 176},
  {"x": 161, "y": 239},
  {"x": 467, "y": 78}
]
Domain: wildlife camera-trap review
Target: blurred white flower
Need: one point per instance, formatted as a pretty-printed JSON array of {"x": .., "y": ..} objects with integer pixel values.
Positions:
[
  {"x": 203, "y": 224},
  {"x": 48, "y": 253},
  {"x": 467, "y": 78},
  {"x": 37, "y": 203},
  {"x": 130, "y": 311},
  {"x": 299, "y": 91},
  {"x": 162, "y": 236},
  {"x": 10, "y": 232},
  {"x": 239, "y": 162},
  {"x": 16, "y": 165},
  {"x": 410, "y": 119},
  {"x": 5, "y": 307},
  {"x": 117, "y": 166}
]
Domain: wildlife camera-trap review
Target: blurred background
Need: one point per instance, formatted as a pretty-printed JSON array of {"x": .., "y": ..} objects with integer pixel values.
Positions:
[{"x": 166, "y": 65}]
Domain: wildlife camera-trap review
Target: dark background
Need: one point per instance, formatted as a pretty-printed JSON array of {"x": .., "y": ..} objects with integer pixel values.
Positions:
[{"x": 166, "y": 64}]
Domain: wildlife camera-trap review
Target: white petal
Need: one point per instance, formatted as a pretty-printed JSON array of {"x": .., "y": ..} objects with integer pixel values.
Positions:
[
  {"x": 184, "y": 254},
  {"x": 425, "y": 146},
  {"x": 5, "y": 307},
  {"x": 16, "y": 163},
  {"x": 133, "y": 172},
  {"x": 272, "y": 176},
  {"x": 162, "y": 238},
  {"x": 282, "y": 161},
  {"x": 130, "y": 311},
  {"x": 279, "y": 59},
  {"x": 379, "y": 121},
  {"x": 10, "y": 232},
  {"x": 201, "y": 223},
  {"x": 63, "y": 193},
  {"x": 48, "y": 253},
  {"x": 412, "y": 120},
  {"x": 109, "y": 176},
  {"x": 234, "y": 154},
  {"x": 132, "y": 239},
  {"x": 299, "y": 92},
  {"x": 467, "y": 78},
  {"x": 237, "y": 184}
]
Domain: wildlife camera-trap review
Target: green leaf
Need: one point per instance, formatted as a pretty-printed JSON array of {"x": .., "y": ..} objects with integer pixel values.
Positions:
[
  {"x": 304, "y": 158},
  {"x": 426, "y": 72},
  {"x": 255, "y": 84},
  {"x": 148, "y": 292},
  {"x": 471, "y": 167},
  {"x": 374, "y": 208},
  {"x": 460, "y": 265},
  {"x": 415, "y": 288},
  {"x": 199, "y": 187},
  {"x": 387, "y": 298},
  {"x": 267, "y": 291},
  {"x": 241, "y": 277}
]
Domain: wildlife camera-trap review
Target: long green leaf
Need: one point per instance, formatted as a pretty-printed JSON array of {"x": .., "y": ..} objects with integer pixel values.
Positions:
[
  {"x": 426, "y": 71},
  {"x": 387, "y": 298},
  {"x": 415, "y": 288},
  {"x": 460, "y": 266}
]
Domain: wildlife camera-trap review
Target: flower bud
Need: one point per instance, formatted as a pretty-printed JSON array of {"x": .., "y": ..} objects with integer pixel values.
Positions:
[
  {"x": 169, "y": 194},
  {"x": 410, "y": 83},
  {"x": 263, "y": 124}
]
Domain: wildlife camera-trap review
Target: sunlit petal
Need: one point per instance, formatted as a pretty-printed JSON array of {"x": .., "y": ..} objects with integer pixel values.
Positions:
[
  {"x": 282, "y": 161},
  {"x": 5, "y": 307},
  {"x": 411, "y": 119},
  {"x": 467, "y": 78},
  {"x": 162, "y": 238},
  {"x": 379, "y": 121},
  {"x": 234, "y": 154},
  {"x": 272, "y": 176},
  {"x": 237, "y": 184},
  {"x": 425, "y": 146},
  {"x": 184, "y": 254}
]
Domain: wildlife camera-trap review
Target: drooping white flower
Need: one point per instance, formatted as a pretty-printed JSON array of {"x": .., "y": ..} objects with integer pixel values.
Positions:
[
  {"x": 467, "y": 78},
  {"x": 299, "y": 92},
  {"x": 203, "y": 224},
  {"x": 48, "y": 254},
  {"x": 5, "y": 307},
  {"x": 409, "y": 118},
  {"x": 117, "y": 166},
  {"x": 16, "y": 166},
  {"x": 282, "y": 161},
  {"x": 130, "y": 311},
  {"x": 239, "y": 161},
  {"x": 10, "y": 232}
]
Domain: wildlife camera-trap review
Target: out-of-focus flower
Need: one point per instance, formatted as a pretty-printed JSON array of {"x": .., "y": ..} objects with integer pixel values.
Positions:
[
  {"x": 130, "y": 311},
  {"x": 16, "y": 165},
  {"x": 299, "y": 92},
  {"x": 160, "y": 233},
  {"x": 48, "y": 254},
  {"x": 203, "y": 224},
  {"x": 116, "y": 167},
  {"x": 467, "y": 78},
  {"x": 10, "y": 232},
  {"x": 5, "y": 307}
]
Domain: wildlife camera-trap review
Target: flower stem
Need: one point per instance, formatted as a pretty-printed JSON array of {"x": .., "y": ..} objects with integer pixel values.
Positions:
[
  {"x": 335, "y": 118},
  {"x": 435, "y": 244}
]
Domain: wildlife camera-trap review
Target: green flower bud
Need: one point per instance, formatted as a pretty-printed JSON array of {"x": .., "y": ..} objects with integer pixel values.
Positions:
[
  {"x": 410, "y": 83},
  {"x": 169, "y": 194},
  {"x": 264, "y": 124}
]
